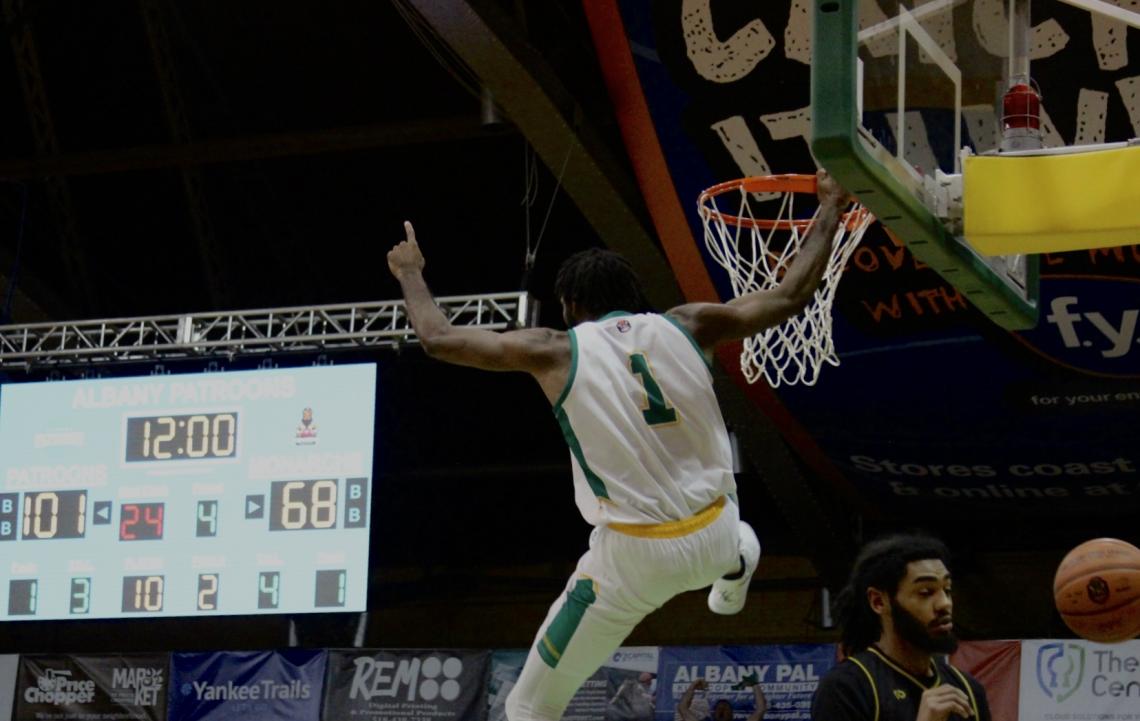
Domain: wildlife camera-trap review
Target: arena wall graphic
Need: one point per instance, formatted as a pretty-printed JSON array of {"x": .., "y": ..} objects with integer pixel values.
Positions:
[{"x": 931, "y": 404}]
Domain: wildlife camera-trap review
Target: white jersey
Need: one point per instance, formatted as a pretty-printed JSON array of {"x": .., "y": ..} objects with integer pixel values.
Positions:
[{"x": 647, "y": 440}]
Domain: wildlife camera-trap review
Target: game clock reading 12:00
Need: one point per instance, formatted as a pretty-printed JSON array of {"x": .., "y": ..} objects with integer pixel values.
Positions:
[
  {"x": 182, "y": 437},
  {"x": 234, "y": 493}
]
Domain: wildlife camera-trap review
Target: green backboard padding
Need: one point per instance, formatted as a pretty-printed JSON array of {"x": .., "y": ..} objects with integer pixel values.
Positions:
[{"x": 837, "y": 148}]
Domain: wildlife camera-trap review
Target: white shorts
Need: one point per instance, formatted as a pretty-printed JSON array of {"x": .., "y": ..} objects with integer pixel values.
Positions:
[{"x": 628, "y": 572}]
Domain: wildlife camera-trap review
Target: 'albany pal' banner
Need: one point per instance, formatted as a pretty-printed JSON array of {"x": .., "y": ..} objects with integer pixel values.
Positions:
[
  {"x": 786, "y": 676},
  {"x": 92, "y": 688},
  {"x": 261, "y": 685},
  {"x": 1071, "y": 680},
  {"x": 435, "y": 685}
]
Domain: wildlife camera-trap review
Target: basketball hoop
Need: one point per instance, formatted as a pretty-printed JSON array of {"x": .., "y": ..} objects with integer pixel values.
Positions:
[{"x": 757, "y": 252}]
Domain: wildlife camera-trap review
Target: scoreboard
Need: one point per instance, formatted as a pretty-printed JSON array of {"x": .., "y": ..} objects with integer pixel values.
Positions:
[{"x": 186, "y": 495}]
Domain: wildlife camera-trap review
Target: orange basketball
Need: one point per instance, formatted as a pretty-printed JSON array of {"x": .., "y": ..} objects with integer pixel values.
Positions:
[{"x": 1097, "y": 590}]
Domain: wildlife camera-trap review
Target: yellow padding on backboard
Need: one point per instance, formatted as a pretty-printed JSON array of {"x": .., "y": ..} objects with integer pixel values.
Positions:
[{"x": 1052, "y": 203}]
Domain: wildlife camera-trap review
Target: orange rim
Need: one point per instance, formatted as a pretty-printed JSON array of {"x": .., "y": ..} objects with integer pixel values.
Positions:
[{"x": 788, "y": 183}]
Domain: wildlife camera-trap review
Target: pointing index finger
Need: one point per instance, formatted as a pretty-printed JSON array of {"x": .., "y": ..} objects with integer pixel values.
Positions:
[{"x": 410, "y": 231}]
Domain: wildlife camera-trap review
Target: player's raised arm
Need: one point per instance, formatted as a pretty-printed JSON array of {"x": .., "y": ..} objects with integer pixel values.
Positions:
[
  {"x": 685, "y": 705},
  {"x": 715, "y": 323},
  {"x": 539, "y": 351},
  {"x": 761, "y": 707}
]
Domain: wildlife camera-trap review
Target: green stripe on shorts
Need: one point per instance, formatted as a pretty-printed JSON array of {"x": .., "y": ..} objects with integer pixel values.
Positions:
[{"x": 558, "y": 634}]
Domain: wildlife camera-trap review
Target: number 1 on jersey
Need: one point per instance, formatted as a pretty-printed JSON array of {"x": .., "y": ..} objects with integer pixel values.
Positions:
[{"x": 659, "y": 412}]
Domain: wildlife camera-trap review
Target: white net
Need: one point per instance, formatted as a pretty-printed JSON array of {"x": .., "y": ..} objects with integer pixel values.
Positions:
[{"x": 757, "y": 252}]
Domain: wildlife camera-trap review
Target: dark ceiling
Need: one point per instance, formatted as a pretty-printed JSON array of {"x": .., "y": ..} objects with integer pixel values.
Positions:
[{"x": 211, "y": 155}]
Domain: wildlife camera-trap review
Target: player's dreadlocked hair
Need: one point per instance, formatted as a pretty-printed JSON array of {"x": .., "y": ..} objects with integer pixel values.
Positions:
[
  {"x": 599, "y": 282},
  {"x": 881, "y": 565}
]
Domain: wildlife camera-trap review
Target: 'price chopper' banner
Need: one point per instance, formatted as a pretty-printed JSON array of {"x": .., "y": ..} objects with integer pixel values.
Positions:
[
  {"x": 1069, "y": 680},
  {"x": 440, "y": 685},
  {"x": 265, "y": 686},
  {"x": 107, "y": 688},
  {"x": 787, "y": 675}
]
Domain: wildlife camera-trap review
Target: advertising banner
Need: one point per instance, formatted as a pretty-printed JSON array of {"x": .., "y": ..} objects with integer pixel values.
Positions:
[
  {"x": 1074, "y": 680},
  {"x": 787, "y": 677},
  {"x": 92, "y": 688},
  {"x": 8, "y": 664},
  {"x": 440, "y": 685},
  {"x": 262, "y": 685},
  {"x": 623, "y": 689}
]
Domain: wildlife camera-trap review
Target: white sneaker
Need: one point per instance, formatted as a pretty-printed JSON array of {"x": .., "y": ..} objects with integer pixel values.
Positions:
[{"x": 727, "y": 597}]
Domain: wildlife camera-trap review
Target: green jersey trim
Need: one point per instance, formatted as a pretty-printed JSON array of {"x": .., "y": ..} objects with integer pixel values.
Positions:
[
  {"x": 573, "y": 371},
  {"x": 685, "y": 331},
  {"x": 597, "y": 485},
  {"x": 614, "y": 314},
  {"x": 562, "y": 627}
]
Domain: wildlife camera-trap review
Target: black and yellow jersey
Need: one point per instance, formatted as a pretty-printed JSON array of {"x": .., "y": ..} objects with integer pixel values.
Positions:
[{"x": 869, "y": 686}]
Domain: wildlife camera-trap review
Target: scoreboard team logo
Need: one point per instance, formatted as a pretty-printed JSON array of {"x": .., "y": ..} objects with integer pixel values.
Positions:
[{"x": 306, "y": 429}]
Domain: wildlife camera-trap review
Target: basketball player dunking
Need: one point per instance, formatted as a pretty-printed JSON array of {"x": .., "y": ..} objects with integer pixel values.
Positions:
[{"x": 633, "y": 395}]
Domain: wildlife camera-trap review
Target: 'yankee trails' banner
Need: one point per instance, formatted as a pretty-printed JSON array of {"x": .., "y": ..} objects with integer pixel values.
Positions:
[
  {"x": 92, "y": 688},
  {"x": 1072, "y": 680},
  {"x": 787, "y": 675},
  {"x": 441, "y": 685},
  {"x": 261, "y": 685}
]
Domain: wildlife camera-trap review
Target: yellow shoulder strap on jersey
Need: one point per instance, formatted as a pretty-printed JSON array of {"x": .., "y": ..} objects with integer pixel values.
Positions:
[
  {"x": 969, "y": 689},
  {"x": 874, "y": 689}
]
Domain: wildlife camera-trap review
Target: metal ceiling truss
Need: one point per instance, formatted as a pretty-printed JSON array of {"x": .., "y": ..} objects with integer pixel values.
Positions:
[{"x": 322, "y": 328}]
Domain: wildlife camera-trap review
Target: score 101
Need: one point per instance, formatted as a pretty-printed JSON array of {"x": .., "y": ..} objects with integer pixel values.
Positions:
[{"x": 48, "y": 515}]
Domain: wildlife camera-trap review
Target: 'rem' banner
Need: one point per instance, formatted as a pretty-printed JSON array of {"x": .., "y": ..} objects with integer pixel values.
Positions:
[
  {"x": 92, "y": 688},
  {"x": 785, "y": 676},
  {"x": 623, "y": 689},
  {"x": 252, "y": 685},
  {"x": 8, "y": 664},
  {"x": 1072, "y": 680},
  {"x": 435, "y": 685}
]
